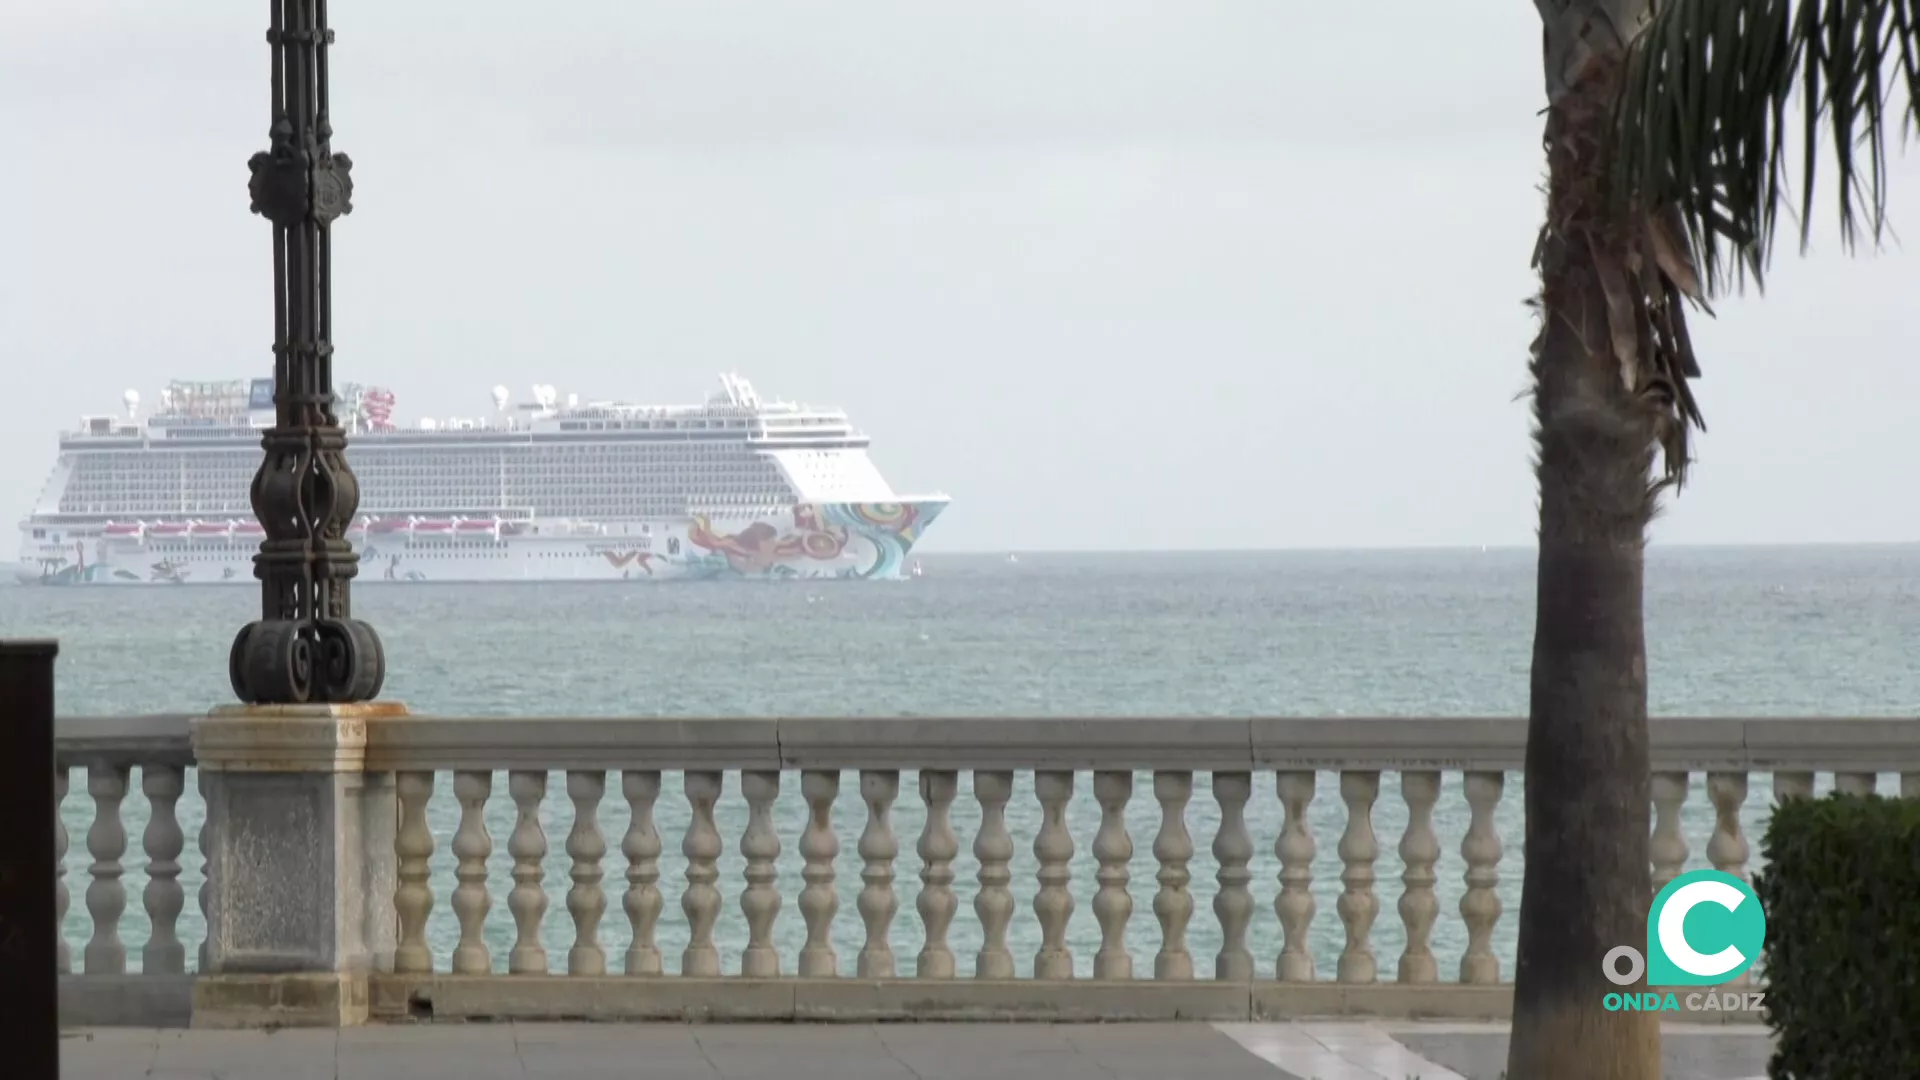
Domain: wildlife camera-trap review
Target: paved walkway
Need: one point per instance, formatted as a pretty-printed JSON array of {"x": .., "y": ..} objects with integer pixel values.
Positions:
[{"x": 1307, "y": 1050}]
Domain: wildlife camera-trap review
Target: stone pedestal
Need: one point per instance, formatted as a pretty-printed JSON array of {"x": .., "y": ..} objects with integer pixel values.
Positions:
[
  {"x": 29, "y": 862},
  {"x": 300, "y": 864}
]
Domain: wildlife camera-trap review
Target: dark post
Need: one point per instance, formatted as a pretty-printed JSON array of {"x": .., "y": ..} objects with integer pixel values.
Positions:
[
  {"x": 306, "y": 647},
  {"x": 29, "y": 934}
]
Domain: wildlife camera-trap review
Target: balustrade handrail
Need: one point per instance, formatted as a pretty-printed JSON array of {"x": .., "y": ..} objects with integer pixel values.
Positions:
[
  {"x": 1877, "y": 744},
  {"x": 121, "y": 741}
]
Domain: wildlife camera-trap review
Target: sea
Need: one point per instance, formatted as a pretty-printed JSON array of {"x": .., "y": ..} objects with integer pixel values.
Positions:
[{"x": 1734, "y": 631}]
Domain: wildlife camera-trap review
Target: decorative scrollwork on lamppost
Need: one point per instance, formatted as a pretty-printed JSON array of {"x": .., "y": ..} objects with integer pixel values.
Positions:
[{"x": 306, "y": 647}]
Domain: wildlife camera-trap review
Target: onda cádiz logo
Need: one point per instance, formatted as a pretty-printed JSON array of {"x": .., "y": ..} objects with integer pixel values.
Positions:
[{"x": 1705, "y": 929}]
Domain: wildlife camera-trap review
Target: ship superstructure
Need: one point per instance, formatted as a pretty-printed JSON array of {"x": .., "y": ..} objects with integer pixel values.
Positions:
[{"x": 539, "y": 490}]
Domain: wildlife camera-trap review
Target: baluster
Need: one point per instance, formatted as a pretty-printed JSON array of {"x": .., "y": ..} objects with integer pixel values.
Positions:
[
  {"x": 819, "y": 900},
  {"x": 1668, "y": 846},
  {"x": 1419, "y": 851},
  {"x": 163, "y": 953},
  {"x": 938, "y": 848},
  {"x": 760, "y": 901},
  {"x": 471, "y": 847},
  {"x": 1357, "y": 905},
  {"x": 1480, "y": 907},
  {"x": 701, "y": 901},
  {"x": 1233, "y": 850},
  {"x": 413, "y": 851},
  {"x": 527, "y": 900},
  {"x": 1855, "y": 783},
  {"x": 1112, "y": 849},
  {"x": 1172, "y": 847},
  {"x": 61, "y": 900},
  {"x": 586, "y": 846},
  {"x": 993, "y": 848},
  {"x": 106, "y": 896},
  {"x": 1053, "y": 847},
  {"x": 1295, "y": 849},
  {"x": 1792, "y": 784},
  {"x": 1727, "y": 848},
  {"x": 877, "y": 903},
  {"x": 641, "y": 846},
  {"x": 207, "y": 841}
]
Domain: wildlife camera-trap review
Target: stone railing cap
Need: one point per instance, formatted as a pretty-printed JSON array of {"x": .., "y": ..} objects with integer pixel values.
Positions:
[
  {"x": 384, "y": 736},
  {"x": 1012, "y": 742},
  {"x": 120, "y": 741},
  {"x": 575, "y": 743}
]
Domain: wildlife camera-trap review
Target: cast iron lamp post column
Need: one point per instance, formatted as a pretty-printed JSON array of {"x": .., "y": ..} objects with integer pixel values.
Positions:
[{"x": 306, "y": 647}]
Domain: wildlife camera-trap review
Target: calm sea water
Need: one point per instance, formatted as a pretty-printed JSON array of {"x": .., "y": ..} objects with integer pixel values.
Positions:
[{"x": 1753, "y": 631}]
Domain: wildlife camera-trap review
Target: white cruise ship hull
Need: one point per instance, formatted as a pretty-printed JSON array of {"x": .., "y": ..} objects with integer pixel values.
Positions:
[{"x": 855, "y": 540}]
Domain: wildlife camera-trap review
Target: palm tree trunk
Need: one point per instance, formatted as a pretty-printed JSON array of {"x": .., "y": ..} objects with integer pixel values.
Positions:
[{"x": 1587, "y": 884}]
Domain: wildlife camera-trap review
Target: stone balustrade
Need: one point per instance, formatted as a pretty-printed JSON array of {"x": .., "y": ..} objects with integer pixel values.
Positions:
[
  {"x": 107, "y": 751},
  {"x": 532, "y": 870}
]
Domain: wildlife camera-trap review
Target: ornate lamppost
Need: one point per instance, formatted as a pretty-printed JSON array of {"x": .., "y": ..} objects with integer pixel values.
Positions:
[{"x": 306, "y": 648}]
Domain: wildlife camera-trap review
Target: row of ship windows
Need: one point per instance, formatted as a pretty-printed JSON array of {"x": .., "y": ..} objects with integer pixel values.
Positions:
[
  {"x": 161, "y": 458},
  {"x": 419, "y": 550},
  {"x": 450, "y": 501},
  {"x": 229, "y": 480},
  {"x": 557, "y": 461},
  {"x": 148, "y": 472},
  {"x": 492, "y": 487},
  {"x": 236, "y": 479},
  {"x": 620, "y": 507},
  {"x": 726, "y": 481},
  {"x": 444, "y": 477},
  {"x": 649, "y": 425}
]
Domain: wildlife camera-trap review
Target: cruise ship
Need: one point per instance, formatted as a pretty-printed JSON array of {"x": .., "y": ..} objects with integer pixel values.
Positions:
[{"x": 539, "y": 490}]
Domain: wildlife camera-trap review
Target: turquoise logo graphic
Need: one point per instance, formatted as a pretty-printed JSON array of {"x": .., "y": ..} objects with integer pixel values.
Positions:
[{"x": 1706, "y": 928}]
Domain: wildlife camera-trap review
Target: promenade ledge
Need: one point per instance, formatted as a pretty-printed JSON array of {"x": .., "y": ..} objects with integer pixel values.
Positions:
[{"x": 360, "y": 864}]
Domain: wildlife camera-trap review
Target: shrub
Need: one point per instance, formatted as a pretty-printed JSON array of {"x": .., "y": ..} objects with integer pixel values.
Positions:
[{"x": 1841, "y": 892}]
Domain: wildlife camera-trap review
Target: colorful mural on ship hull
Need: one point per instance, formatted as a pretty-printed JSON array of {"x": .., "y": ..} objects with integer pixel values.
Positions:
[{"x": 848, "y": 540}]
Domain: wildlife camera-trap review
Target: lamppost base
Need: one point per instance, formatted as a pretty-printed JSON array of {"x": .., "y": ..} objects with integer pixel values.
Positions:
[{"x": 288, "y": 662}]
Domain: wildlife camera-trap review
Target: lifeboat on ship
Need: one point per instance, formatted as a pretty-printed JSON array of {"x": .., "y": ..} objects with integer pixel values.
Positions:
[
  {"x": 385, "y": 525},
  {"x": 475, "y": 526},
  {"x": 122, "y": 528},
  {"x": 430, "y": 525},
  {"x": 168, "y": 528},
  {"x": 210, "y": 528},
  {"x": 249, "y": 528}
]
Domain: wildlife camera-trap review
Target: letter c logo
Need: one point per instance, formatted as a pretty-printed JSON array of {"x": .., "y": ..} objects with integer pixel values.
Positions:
[
  {"x": 1725, "y": 916},
  {"x": 1673, "y": 929}
]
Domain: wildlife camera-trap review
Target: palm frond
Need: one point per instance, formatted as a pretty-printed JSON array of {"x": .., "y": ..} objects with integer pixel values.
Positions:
[{"x": 1702, "y": 123}]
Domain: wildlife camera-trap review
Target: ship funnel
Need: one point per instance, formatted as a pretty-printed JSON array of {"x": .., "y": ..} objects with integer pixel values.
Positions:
[
  {"x": 132, "y": 398},
  {"x": 500, "y": 397}
]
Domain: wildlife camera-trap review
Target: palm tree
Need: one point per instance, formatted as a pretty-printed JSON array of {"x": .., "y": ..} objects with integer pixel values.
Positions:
[{"x": 1665, "y": 132}]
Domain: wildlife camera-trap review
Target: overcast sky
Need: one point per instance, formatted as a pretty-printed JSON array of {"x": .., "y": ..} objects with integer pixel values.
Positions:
[{"x": 1111, "y": 273}]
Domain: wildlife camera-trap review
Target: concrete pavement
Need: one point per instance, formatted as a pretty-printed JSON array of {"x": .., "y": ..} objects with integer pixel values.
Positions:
[{"x": 1304, "y": 1050}]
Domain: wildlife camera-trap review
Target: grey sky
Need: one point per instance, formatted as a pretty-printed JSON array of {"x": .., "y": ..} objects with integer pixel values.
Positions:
[{"x": 1113, "y": 274}]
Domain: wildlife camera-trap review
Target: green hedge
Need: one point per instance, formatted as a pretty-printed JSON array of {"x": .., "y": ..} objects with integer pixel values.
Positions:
[{"x": 1842, "y": 896}]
